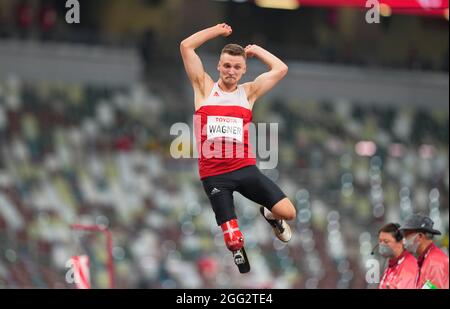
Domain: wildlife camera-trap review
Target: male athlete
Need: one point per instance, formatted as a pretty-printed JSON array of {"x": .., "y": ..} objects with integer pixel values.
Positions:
[{"x": 223, "y": 112}]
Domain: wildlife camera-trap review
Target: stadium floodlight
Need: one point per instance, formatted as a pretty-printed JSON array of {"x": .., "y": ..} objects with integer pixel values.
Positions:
[{"x": 278, "y": 4}]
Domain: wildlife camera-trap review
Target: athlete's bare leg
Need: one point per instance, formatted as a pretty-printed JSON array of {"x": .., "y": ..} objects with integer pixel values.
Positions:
[
  {"x": 284, "y": 210},
  {"x": 281, "y": 212}
]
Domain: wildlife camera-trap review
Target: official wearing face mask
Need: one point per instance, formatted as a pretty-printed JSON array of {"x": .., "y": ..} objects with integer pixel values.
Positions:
[
  {"x": 402, "y": 269},
  {"x": 433, "y": 263}
]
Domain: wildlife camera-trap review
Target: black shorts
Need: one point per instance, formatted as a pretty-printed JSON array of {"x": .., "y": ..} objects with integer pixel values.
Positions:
[{"x": 248, "y": 181}]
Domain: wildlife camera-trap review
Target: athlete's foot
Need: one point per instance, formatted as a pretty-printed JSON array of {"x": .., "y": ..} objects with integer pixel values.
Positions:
[{"x": 280, "y": 228}]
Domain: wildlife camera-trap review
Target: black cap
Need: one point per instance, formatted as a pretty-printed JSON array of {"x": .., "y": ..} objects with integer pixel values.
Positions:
[{"x": 416, "y": 222}]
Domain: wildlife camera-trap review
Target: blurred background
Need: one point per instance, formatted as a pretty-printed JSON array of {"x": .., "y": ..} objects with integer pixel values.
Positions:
[{"x": 85, "y": 117}]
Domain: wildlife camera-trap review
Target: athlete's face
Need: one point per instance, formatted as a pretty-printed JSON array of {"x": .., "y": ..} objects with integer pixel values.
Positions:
[{"x": 231, "y": 68}]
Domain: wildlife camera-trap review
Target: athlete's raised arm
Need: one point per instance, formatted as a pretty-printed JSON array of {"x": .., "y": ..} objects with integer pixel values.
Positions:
[
  {"x": 266, "y": 81},
  {"x": 192, "y": 62}
]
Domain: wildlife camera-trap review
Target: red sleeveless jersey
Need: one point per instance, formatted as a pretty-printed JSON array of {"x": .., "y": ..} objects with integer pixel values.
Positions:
[{"x": 221, "y": 127}]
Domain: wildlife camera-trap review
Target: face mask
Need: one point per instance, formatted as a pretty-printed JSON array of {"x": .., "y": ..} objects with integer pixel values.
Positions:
[
  {"x": 411, "y": 245},
  {"x": 385, "y": 251}
]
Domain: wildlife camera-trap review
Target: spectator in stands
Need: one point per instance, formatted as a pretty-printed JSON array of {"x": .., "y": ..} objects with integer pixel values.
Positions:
[{"x": 24, "y": 18}]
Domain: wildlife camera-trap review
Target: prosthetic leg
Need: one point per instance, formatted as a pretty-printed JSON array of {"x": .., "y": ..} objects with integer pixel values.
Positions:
[{"x": 234, "y": 241}]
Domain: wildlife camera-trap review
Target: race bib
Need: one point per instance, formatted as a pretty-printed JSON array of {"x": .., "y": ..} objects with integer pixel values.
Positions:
[{"x": 228, "y": 127}]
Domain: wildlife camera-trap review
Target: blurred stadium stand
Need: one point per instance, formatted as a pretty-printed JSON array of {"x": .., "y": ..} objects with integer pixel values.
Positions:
[
  {"x": 70, "y": 63},
  {"x": 85, "y": 138}
]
